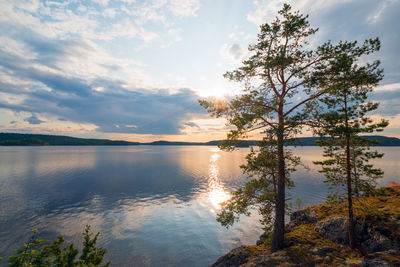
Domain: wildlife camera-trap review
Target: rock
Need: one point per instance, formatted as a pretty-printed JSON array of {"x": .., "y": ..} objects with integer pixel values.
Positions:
[
  {"x": 334, "y": 228},
  {"x": 303, "y": 216},
  {"x": 321, "y": 251},
  {"x": 375, "y": 241},
  {"x": 275, "y": 259},
  {"x": 263, "y": 238},
  {"x": 327, "y": 259},
  {"x": 263, "y": 260},
  {"x": 244, "y": 257},
  {"x": 236, "y": 257},
  {"x": 318, "y": 259},
  {"x": 375, "y": 262},
  {"x": 280, "y": 256}
]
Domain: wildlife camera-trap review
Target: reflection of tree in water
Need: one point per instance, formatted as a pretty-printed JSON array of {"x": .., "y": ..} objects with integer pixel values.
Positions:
[{"x": 217, "y": 191}]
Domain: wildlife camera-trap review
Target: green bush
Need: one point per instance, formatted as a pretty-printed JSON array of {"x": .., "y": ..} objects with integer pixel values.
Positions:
[{"x": 37, "y": 253}]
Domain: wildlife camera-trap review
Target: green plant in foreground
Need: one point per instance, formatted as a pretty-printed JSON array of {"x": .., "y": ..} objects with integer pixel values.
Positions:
[{"x": 37, "y": 253}]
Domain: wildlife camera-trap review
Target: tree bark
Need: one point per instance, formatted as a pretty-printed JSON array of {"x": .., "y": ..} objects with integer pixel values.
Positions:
[
  {"x": 352, "y": 234},
  {"x": 279, "y": 225},
  {"x": 356, "y": 182}
]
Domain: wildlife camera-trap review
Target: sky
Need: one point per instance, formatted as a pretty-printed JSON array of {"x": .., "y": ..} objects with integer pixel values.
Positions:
[{"x": 134, "y": 70}]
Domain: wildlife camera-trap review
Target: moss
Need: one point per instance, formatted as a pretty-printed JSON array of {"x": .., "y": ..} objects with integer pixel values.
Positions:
[
  {"x": 259, "y": 248},
  {"x": 354, "y": 261},
  {"x": 300, "y": 255},
  {"x": 303, "y": 234},
  {"x": 380, "y": 206},
  {"x": 382, "y": 212}
]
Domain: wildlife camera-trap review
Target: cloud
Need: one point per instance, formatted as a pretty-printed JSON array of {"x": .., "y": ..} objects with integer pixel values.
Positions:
[
  {"x": 234, "y": 53},
  {"x": 151, "y": 111},
  {"x": 184, "y": 8},
  {"x": 33, "y": 120},
  {"x": 192, "y": 124},
  {"x": 264, "y": 11},
  {"x": 76, "y": 81},
  {"x": 346, "y": 20},
  {"x": 388, "y": 96},
  {"x": 101, "y": 2},
  {"x": 96, "y": 19}
]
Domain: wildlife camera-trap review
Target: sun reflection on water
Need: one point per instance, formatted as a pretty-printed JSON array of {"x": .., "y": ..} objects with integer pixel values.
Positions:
[{"x": 216, "y": 190}]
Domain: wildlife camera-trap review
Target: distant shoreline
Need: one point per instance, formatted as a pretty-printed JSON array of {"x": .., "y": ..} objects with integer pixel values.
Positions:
[{"x": 16, "y": 139}]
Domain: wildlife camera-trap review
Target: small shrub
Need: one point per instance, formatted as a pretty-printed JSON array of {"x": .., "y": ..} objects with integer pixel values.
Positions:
[{"x": 37, "y": 253}]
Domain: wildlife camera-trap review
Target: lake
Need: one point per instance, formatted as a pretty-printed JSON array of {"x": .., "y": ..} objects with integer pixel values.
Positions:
[{"x": 154, "y": 205}]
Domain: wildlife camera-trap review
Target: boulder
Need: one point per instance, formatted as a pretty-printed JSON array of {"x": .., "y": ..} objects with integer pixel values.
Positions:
[
  {"x": 236, "y": 257},
  {"x": 334, "y": 228},
  {"x": 304, "y": 216},
  {"x": 375, "y": 241}
]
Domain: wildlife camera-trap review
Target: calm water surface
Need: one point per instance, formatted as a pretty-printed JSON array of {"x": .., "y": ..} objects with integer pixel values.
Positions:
[{"x": 154, "y": 205}]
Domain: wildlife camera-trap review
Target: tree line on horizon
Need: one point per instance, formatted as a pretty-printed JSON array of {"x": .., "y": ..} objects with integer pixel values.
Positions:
[
  {"x": 289, "y": 86},
  {"x": 18, "y": 139}
]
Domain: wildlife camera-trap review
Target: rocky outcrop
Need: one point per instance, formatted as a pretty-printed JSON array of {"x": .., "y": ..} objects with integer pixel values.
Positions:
[
  {"x": 369, "y": 238},
  {"x": 317, "y": 236},
  {"x": 236, "y": 257},
  {"x": 243, "y": 256}
]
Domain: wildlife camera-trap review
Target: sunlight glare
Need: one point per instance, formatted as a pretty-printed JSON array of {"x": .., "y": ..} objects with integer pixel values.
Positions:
[{"x": 217, "y": 192}]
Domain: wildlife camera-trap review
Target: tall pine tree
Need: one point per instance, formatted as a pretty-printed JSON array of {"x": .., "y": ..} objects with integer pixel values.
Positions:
[
  {"x": 342, "y": 116},
  {"x": 276, "y": 81}
]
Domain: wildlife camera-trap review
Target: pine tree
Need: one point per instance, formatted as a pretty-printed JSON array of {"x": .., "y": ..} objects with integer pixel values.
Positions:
[
  {"x": 342, "y": 118},
  {"x": 276, "y": 81}
]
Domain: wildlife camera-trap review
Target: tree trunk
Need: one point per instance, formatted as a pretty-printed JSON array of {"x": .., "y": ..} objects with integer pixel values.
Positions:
[
  {"x": 279, "y": 225},
  {"x": 356, "y": 182},
  {"x": 352, "y": 234}
]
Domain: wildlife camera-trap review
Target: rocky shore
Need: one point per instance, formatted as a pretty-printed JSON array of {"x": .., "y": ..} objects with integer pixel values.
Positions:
[{"x": 317, "y": 236}]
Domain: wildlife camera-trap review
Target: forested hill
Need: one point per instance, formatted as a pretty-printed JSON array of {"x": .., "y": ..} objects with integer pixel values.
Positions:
[
  {"x": 15, "y": 139},
  {"x": 301, "y": 141}
]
